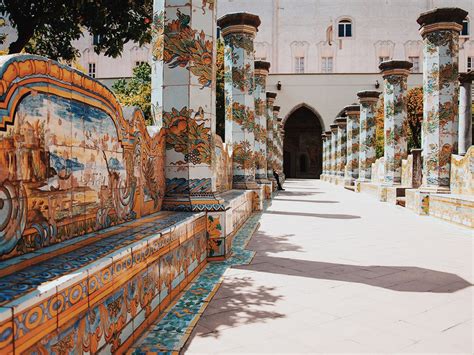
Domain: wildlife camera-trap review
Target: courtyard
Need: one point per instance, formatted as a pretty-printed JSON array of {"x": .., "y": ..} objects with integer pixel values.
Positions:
[{"x": 338, "y": 272}]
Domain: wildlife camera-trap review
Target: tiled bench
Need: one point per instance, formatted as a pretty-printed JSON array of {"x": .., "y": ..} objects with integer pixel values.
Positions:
[{"x": 96, "y": 293}]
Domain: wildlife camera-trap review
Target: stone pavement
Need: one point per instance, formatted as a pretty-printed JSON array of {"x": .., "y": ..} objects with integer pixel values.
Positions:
[{"x": 339, "y": 272}]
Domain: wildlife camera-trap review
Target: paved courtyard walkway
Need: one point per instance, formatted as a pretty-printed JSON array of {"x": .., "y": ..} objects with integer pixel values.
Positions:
[{"x": 339, "y": 272}]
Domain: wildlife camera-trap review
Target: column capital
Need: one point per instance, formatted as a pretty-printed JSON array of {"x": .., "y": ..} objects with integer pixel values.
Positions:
[
  {"x": 368, "y": 96},
  {"x": 444, "y": 18},
  {"x": 328, "y": 133},
  {"x": 334, "y": 127},
  {"x": 271, "y": 96},
  {"x": 262, "y": 68},
  {"x": 395, "y": 67},
  {"x": 352, "y": 110},
  {"x": 341, "y": 122},
  {"x": 276, "y": 108},
  {"x": 240, "y": 22},
  {"x": 466, "y": 77}
]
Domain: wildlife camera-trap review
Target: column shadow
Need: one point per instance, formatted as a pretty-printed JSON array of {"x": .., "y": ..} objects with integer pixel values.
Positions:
[{"x": 314, "y": 215}]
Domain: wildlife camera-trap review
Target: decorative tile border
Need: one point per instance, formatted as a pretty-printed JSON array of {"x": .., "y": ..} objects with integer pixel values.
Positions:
[{"x": 170, "y": 333}]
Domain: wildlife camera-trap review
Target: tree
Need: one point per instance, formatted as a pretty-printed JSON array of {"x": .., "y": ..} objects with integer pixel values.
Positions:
[
  {"x": 415, "y": 117},
  {"x": 137, "y": 90},
  {"x": 48, "y": 27},
  {"x": 220, "y": 92}
]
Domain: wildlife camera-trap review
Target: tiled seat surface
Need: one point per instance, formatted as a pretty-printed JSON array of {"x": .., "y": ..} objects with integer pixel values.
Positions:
[{"x": 19, "y": 283}]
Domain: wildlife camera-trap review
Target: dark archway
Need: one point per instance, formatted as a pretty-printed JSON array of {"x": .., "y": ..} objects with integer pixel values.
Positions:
[{"x": 303, "y": 145}]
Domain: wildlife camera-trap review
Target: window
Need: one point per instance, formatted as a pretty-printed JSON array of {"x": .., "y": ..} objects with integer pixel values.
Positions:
[
  {"x": 139, "y": 62},
  {"x": 470, "y": 63},
  {"x": 95, "y": 40},
  {"x": 326, "y": 65},
  {"x": 299, "y": 65},
  {"x": 345, "y": 28},
  {"x": 92, "y": 70},
  {"x": 416, "y": 64},
  {"x": 465, "y": 28}
]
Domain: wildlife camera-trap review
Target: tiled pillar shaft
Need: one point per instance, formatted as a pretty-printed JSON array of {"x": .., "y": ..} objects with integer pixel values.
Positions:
[
  {"x": 334, "y": 161},
  {"x": 368, "y": 101},
  {"x": 261, "y": 73},
  {"x": 239, "y": 31},
  {"x": 341, "y": 145},
  {"x": 353, "y": 130},
  {"x": 270, "y": 139},
  {"x": 183, "y": 97},
  {"x": 465, "y": 112},
  {"x": 440, "y": 31},
  {"x": 325, "y": 146},
  {"x": 276, "y": 135},
  {"x": 328, "y": 152},
  {"x": 395, "y": 74}
]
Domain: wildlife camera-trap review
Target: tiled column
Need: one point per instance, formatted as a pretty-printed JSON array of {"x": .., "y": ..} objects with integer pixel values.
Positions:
[
  {"x": 270, "y": 139},
  {"x": 281, "y": 140},
  {"x": 465, "y": 112},
  {"x": 368, "y": 101},
  {"x": 395, "y": 74},
  {"x": 276, "y": 135},
  {"x": 325, "y": 146},
  {"x": 353, "y": 113},
  {"x": 328, "y": 153},
  {"x": 261, "y": 73},
  {"x": 239, "y": 31},
  {"x": 183, "y": 97},
  {"x": 341, "y": 145},
  {"x": 334, "y": 161},
  {"x": 440, "y": 31}
]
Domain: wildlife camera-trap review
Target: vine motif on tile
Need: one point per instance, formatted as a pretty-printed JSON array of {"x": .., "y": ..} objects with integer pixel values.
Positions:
[
  {"x": 187, "y": 134},
  {"x": 186, "y": 48}
]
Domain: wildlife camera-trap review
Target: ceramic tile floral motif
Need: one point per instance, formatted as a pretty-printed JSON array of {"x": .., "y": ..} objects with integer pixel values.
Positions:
[
  {"x": 241, "y": 123},
  {"x": 353, "y": 130},
  {"x": 440, "y": 110},
  {"x": 395, "y": 86},
  {"x": 368, "y": 100}
]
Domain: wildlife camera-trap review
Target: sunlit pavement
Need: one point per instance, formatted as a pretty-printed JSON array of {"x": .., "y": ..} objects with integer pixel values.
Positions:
[{"x": 339, "y": 272}]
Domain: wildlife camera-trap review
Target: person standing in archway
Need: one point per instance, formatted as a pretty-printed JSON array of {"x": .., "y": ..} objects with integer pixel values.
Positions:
[{"x": 277, "y": 178}]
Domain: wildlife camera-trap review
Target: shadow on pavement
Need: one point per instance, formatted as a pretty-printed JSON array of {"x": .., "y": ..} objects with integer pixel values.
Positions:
[
  {"x": 309, "y": 201},
  {"x": 315, "y": 215},
  {"x": 395, "y": 278}
]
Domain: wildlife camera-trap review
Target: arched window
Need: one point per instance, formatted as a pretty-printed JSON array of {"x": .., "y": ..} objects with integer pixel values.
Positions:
[
  {"x": 465, "y": 28},
  {"x": 344, "y": 28}
]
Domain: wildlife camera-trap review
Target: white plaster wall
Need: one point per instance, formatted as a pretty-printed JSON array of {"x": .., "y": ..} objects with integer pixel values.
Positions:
[
  {"x": 326, "y": 94},
  {"x": 378, "y": 26}
]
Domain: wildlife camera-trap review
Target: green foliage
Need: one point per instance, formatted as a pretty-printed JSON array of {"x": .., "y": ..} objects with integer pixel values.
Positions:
[
  {"x": 415, "y": 117},
  {"x": 137, "y": 90},
  {"x": 48, "y": 27},
  {"x": 220, "y": 92}
]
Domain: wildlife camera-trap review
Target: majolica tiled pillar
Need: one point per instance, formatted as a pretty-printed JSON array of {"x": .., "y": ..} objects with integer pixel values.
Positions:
[
  {"x": 440, "y": 31},
  {"x": 334, "y": 161},
  {"x": 276, "y": 135},
  {"x": 325, "y": 146},
  {"x": 395, "y": 74},
  {"x": 183, "y": 89},
  {"x": 261, "y": 73},
  {"x": 239, "y": 30},
  {"x": 465, "y": 112},
  {"x": 280, "y": 142},
  {"x": 328, "y": 152},
  {"x": 270, "y": 139},
  {"x": 368, "y": 101},
  {"x": 341, "y": 145},
  {"x": 353, "y": 130}
]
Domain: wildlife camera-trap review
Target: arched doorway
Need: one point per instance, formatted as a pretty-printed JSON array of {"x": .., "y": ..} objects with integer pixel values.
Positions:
[{"x": 303, "y": 145}]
